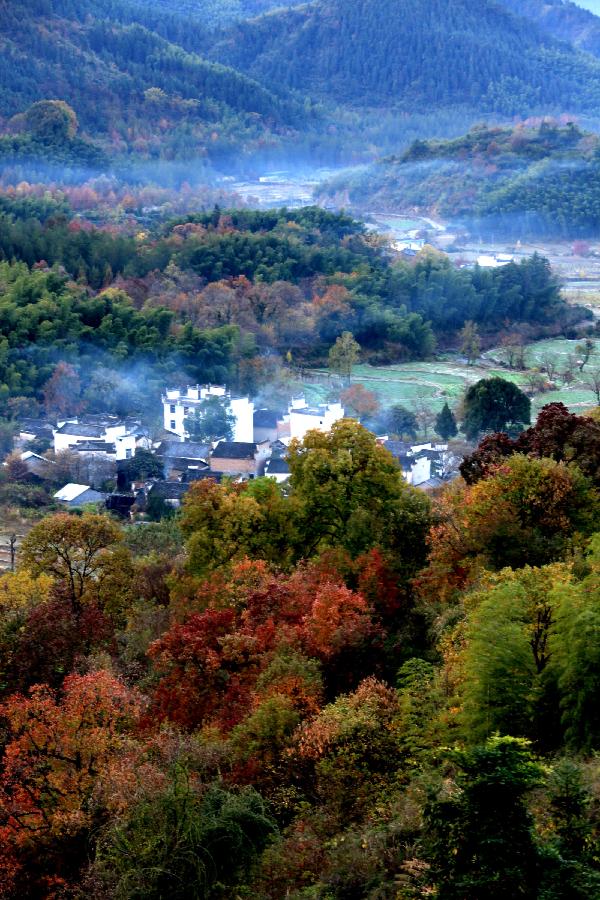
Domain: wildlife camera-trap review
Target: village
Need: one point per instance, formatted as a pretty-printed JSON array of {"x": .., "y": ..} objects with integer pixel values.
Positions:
[{"x": 152, "y": 471}]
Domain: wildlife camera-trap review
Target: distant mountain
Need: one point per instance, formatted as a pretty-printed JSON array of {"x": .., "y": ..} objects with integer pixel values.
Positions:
[
  {"x": 562, "y": 20},
  {"x": 537, "y": 179},
  {"x": 414, "y": 53},
  {"x": 130, "y": 87}
]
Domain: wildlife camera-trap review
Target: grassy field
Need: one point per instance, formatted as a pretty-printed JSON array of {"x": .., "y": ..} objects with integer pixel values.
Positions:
[{"x": 434, "y": 383}]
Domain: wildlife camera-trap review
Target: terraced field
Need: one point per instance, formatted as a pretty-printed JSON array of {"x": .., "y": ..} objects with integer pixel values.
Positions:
[{"x": 446, "y": 379}]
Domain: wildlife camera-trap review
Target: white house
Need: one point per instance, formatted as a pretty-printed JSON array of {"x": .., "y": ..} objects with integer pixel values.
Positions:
[
  {"x": 303, "y": 418},
  {"x": 113, "y": 438},
  {"x": 179, "y": 404}
]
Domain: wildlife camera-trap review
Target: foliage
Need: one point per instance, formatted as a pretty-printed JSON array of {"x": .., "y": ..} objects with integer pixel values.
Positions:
[
  {"x": 481, "y": 833},
  {"x": 75, "y": 550},
  {"x": 185, "y": 840},
  {"x": 494, "y": 404},
  {"x": 445, "y": 423},
  {"x": 212, "y": 419}
]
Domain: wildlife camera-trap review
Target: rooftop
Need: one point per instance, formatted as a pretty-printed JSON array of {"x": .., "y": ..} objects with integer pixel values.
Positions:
[
  {"x": 71, "y": 491},
  {"x": 91, "y": 431},
  {"x": 234, "y": 450}
]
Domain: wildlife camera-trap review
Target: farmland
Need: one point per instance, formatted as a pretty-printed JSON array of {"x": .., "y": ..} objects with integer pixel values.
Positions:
[{"x": 446, "y": 379}]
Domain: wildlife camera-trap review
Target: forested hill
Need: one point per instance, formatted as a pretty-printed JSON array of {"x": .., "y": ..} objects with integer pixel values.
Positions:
[
  {"x": 561, "y": 19},
  {"x": 133, "y": 88},
  {"x": 533, "y": 179},
  {"x": 414, "y": 52}
]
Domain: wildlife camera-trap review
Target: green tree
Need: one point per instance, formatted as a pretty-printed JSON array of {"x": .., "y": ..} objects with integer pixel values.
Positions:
[
  {"x": 184, "y": 842},
  {"x": 479, "y": 833},
  {"x": 494, "y": 404},
  {"x": 470, "y": 343},
  {"x": 212, "y": 419},
  {"x": 352, "y": 495},
  {"x": 445, "y": 423},
  {"x": 344, "y": 355},
  {"x": 74, "y": 550},
  {"x": 401, "y": 421}
]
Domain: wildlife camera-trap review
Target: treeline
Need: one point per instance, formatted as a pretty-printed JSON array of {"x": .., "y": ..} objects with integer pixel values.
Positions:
[
  {"x": 338, "y": 689},
  {"x": 283, "y": 282},
  {"x": 438, "y": 53},
  {"x": 533, "y": 179},
  {"x": 131, "y": 87}
]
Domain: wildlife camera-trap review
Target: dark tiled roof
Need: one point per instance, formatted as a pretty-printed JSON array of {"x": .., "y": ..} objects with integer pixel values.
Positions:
[
  {"x": 199, "y": 475},
  {"x": 277, "y": 466},
  {"x": 94, "y": 447},
  {"x": 168, "y": 490},
  {"x": 91, "y": 431},
  {"x": 266, "y": 418},
  {"x": 183, "y": 450},
  {"x": 397, "y": 448},
  {"x": 234, "y": 450}
]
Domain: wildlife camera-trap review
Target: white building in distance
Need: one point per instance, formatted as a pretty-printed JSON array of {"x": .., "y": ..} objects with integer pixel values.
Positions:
[
  {"x": 303, "y": 418},
  {"x": 181, "y": 403}
]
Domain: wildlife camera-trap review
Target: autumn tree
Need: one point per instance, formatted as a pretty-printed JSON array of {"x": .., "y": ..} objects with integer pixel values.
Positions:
[
  {"x": 62, "y": 391},
  {"x": 362, "y": 402},
  {"x": 344, "y": 355},
  {"x": 57, "y": 747},
  {"x": 557, "y": 434},
  {"x": 75, "y": 550},
  {"x": 494, "y": 404}
]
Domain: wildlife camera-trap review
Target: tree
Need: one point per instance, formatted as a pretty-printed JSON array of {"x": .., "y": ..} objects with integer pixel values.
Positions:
[
  {"x": 359, "y": 400},
  {"x": 593, "y": 382},
  {"x": 352, "y": 495},
  {"x": 479, "y": 832},
  {"x": 62, "y": 391},
  {"x": 344, "y": 355},
  {"x": 74, "y": 550},
  {"x": 557, "y": 434},
  {"x": 184, "y": 841},
  {"x": 470, "y": 343},
  {"x": 51, "y": 120},
  {"x": 143, "y": 465},
  {"x": 401, "y": 421},
  {"x": 445, "y": 423},
  {"x": 212, "y": 419},
  {"x": 494, "y": 404},
  {"x": 56, "y": 748},
  {"x": 585, "y": 350}
]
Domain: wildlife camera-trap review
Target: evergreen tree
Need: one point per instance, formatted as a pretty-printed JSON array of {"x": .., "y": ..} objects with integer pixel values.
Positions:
[{"x": 445, "y": 423}]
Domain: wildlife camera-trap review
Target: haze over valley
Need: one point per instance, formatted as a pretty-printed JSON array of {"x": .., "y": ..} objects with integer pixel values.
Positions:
[{"x": 299, "y": 450}]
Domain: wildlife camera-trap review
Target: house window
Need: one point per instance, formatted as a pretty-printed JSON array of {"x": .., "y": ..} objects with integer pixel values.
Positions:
[
  {"x": 172, "y": 408},
  {"x": 128, "y": 454},
  {"x": 186, "y": 410},
  {"x": 173, "y": 425}
]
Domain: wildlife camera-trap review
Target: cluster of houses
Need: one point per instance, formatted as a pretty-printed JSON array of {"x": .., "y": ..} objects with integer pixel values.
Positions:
[{"x": 102, "y": 447}]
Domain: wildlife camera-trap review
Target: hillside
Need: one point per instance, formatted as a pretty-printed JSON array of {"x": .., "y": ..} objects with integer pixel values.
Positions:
[
  {"x": 132, "y": 89},
  {"x": 432, "y": 52},
  {"x": 562, "y": 20},
  {"x": 531, "y": 179}
]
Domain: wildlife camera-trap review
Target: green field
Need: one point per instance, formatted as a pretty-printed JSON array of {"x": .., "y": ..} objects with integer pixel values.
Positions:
[{"x": 434, "y": 383}]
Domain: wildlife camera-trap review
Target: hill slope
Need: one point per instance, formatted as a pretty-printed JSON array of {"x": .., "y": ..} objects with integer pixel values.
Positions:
[
  {"x": 128, "y": 85},
  {"x": 562, "y": 20},
  {"x": 414, "y": 52},
  {"x": 542, "y": 179}
]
